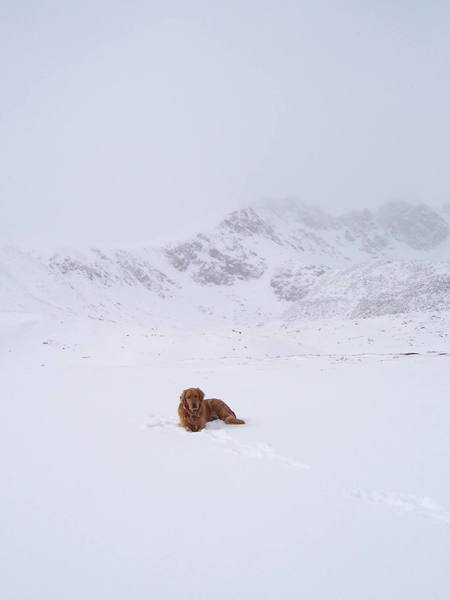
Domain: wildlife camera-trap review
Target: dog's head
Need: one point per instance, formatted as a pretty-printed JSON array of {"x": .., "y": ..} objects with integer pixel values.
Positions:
[{"x": 192, "y": 399}]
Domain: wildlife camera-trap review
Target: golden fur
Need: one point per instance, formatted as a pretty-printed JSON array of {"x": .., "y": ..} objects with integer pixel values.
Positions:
[{"x": 194, "y": 411}]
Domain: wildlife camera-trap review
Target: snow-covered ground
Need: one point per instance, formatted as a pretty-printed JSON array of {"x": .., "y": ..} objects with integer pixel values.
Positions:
[{"x": 338, "y": 486}]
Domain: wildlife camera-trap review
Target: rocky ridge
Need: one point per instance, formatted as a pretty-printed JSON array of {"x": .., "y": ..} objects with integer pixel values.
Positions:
[{"x": 272, "y": 259}]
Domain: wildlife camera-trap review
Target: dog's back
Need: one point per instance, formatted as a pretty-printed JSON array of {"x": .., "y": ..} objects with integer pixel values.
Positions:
[{"x": 217, "y": 409}]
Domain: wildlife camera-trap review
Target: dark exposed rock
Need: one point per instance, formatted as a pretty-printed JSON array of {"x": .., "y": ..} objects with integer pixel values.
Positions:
[
  {"x": 123, "y": 268},
  {"x": 225, "y": 258},
  {"x": 294, "y": 284},
  {"x": 182, "y": 255},
  {"x": 225, "y": 270},
  {"x": 362, "y": 228},
  {"x": 67, "y": 265},
  {"x": 145, "y": 274},
  {"x": 416, "y": 225},
  {"x": 247, "y": 222},
  {"x": 376, "y": 289}
]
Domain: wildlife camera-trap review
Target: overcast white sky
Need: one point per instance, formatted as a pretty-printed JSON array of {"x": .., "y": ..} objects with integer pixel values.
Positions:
[{"x": 123, "y": 121}]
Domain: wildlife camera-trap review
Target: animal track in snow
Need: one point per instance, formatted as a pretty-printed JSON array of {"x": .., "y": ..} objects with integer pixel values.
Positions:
[
  {"x": 423, "y": 506},
  {"x": 257, "y": 450}
]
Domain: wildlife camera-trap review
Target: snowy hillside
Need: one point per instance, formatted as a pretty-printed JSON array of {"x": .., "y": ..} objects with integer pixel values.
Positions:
[
  {"x": 274, "y": 260},
  {"x": 336, "y": 487}
]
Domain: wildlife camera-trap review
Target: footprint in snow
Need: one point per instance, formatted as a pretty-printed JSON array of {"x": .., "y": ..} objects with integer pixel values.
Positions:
[
  {"x": 423, "y": 506},
  {"x": 257, "y": 451}
]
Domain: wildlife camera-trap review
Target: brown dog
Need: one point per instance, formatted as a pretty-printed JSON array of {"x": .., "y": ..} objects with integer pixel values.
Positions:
[{"x": 194, "y": 411}]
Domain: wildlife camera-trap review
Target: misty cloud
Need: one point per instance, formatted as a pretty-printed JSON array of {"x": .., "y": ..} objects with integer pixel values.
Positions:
[{"x": 127, "y": 122}]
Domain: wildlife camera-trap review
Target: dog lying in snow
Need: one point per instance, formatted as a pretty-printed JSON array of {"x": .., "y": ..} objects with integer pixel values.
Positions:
[{"x": 194, "y": 411}]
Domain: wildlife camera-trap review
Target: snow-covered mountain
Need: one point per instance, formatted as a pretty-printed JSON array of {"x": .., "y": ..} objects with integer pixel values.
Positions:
[
  {"x": 274, "y": 259},
  {"x": 342, "y": 464}
]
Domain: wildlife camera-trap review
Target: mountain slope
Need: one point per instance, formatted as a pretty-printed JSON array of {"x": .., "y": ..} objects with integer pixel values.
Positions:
[{"x": 273, "y": 259}]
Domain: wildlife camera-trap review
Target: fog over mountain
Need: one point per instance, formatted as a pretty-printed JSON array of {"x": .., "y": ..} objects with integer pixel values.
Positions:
[
  {"x": 272, "y": 260},
  {"x": 120, "y": 123}
]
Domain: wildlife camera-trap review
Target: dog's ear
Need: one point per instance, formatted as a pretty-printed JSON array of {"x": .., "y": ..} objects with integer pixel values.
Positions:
[
  {"x": 183, "y": 397},
  {"x": 201, "y": 393}
]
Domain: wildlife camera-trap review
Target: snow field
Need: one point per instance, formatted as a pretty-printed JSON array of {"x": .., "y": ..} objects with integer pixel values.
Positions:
[{"x": 337, "y": 487}]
